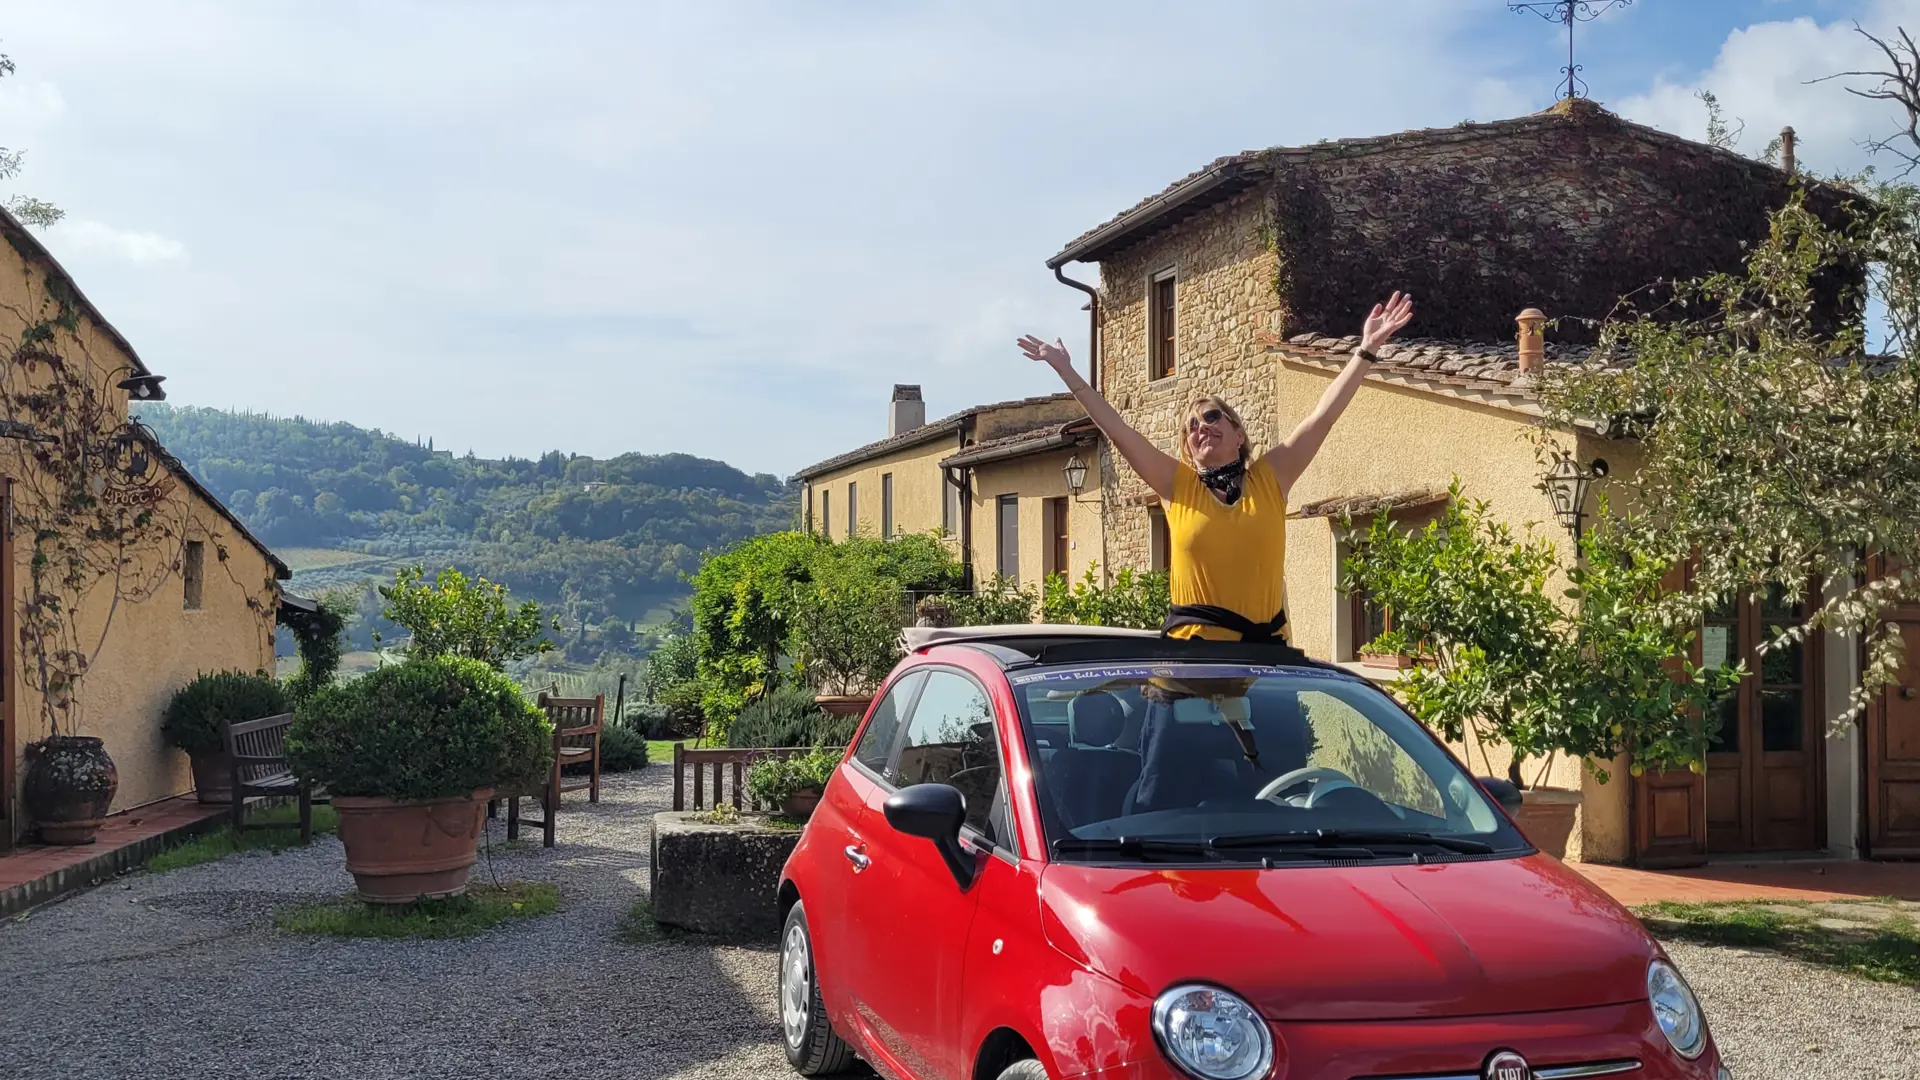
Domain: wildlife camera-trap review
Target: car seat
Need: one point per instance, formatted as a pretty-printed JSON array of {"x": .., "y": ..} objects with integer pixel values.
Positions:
[{"x": 1090, "y": 777}]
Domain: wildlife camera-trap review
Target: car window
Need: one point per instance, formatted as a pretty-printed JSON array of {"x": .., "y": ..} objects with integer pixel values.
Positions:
[
  {"x": 876, "y": 741},
  {"x": 951, "y": 739},
  {"x": 1239, "y": 761}
]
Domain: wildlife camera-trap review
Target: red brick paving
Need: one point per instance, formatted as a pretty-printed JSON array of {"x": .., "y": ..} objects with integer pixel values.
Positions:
[
  {"x": 1817, "y": 881},
  {"x": 29, "y": 867}
]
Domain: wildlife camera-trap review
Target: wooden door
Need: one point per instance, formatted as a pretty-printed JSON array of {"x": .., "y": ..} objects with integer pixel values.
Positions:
[
  {"x": 1056, "y": 536},
  {"x": 1893, "y": 755},
  {"x": 1668, "y": 809},
  {"x": 1763, "y": 787}
]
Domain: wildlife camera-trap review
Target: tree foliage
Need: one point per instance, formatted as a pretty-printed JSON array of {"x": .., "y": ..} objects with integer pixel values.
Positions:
[
  {"x": 1776, "y": 453},
  {"x": 35, "y": 212},
  {"x": 1135, "y": 599},
  {"x": 1605, "y": 673},
  {"x": 463, "y": 617}
]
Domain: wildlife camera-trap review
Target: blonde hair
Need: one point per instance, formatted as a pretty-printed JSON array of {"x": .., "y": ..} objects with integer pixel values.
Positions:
[{"x": 1201, "y": 403}]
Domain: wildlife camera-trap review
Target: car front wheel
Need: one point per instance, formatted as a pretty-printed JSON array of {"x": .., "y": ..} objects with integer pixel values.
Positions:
[
  {"x": 812, "y": 1046},
  {"x": 1024, "y": 1070}
]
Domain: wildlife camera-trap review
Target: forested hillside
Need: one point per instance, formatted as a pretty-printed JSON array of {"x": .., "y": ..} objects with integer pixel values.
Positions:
[{"x": 602, "y": 540}]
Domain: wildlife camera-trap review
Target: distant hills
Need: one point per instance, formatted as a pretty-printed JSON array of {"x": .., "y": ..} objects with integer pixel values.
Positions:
[{"x": 603, "y": 541}]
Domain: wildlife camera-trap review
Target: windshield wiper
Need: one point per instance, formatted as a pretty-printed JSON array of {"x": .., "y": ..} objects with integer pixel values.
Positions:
[
  {"x": 1331, "y": 837},
  {"x": 1141, "y": 847}
]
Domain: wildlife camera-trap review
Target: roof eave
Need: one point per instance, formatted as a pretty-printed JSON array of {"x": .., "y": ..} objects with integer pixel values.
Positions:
[{"x": 1122, "y": 228}]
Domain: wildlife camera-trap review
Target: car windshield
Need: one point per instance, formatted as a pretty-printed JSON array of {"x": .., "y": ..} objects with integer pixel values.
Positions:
[{"x": 1242, "y": 763}]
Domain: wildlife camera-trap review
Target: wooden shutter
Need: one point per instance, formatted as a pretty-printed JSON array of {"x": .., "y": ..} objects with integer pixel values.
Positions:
[{"x": 1669, "y": 809}]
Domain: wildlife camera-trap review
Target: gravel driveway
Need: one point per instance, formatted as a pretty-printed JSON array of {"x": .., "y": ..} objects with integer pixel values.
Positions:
[{"x": 181, "y": 975}]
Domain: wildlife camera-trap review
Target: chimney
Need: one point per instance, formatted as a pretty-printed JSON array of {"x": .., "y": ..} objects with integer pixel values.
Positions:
[
  {"x": 906, "y": 411},
  {"x": 1786, "y": 149},
  {"x": 1533, "y": 342}
]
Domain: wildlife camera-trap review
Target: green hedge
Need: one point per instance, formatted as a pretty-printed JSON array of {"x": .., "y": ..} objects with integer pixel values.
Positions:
[
  {"x": 789, "y": 717},
  {"x": 428, "y": 728}
]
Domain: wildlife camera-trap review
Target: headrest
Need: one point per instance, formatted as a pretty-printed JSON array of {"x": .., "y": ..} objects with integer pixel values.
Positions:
[{"x": 1096, "y": 718}]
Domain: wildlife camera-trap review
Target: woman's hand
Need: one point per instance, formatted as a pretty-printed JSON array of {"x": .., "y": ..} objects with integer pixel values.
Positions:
[
  {"x": 1054, "y": 355},
  {"x": 1385, "y": 321}
]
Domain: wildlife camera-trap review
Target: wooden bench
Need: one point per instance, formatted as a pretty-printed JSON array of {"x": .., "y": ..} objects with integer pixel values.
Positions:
[
  {"x": 576, "y": 741},
  {"x": 258, "y": 752},
  {"x": 720, "y": 760}
]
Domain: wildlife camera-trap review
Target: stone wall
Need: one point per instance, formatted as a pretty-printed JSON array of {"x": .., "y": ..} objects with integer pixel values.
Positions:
[{"x": 1223, "y": 299}]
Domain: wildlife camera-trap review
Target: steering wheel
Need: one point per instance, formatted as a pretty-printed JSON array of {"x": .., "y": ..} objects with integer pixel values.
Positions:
[{"x": 1323, "y": 780}]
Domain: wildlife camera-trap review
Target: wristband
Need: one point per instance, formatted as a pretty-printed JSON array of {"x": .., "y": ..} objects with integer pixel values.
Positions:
[{"x": 1371, "y": 358}]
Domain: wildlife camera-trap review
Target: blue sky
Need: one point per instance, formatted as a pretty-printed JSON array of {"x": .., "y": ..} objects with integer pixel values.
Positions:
[{"x": 728, "y": 228}]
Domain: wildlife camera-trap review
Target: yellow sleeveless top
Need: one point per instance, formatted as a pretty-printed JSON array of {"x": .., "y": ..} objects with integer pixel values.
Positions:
[{"x": 1228, "y": 556}]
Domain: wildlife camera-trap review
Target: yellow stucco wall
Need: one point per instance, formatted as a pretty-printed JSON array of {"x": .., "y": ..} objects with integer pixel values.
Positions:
[
  {"x": 916, "y": 491},
  {"x": 147, "y": 647},
  {"x": 1393, "y": 439},
  {"x": 1035, "y": 479}
]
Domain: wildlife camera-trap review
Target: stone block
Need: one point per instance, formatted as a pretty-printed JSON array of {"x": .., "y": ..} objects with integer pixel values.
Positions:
[{"x": 719, "y": 879}]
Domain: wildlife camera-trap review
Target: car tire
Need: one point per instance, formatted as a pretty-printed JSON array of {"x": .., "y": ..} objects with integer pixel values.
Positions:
[
  {"x": 1024, "y": 1070},
  {"x": 813, "y": 1049}
]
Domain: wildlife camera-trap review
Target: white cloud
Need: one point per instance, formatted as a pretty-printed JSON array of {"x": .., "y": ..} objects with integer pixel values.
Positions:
[
  {"x": 132, "y": 246},
  {"x": 1765, "y": 75}
]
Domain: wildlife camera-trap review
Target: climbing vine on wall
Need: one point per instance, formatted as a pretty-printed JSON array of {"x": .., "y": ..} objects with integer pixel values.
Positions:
[{"x": 91, "y": 498}]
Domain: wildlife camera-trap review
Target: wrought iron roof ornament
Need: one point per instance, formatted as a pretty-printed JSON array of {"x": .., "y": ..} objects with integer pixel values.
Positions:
[{"x": 1566, "y": 13}]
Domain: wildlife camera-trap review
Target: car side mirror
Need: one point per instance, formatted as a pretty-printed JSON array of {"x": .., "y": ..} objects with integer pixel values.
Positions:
[
  {"x": 1503, "y": 792},
  {"x": 935, "y": 812}
]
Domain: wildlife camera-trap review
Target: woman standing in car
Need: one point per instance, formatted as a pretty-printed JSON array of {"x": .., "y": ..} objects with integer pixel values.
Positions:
[{"x": 1226, "y": 505}]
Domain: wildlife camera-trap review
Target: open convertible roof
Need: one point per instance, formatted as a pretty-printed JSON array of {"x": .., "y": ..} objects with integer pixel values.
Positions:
[{"x": 1026, "y": 644}]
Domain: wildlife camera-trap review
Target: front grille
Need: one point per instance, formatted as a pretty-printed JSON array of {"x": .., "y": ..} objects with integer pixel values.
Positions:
[{"x": 1547, "y": 1072}]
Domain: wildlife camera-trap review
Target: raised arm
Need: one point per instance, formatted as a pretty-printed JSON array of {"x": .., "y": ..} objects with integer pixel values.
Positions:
[
  {"x": 1293, "y": 454},
  {"x": 1154, "y": 465}
]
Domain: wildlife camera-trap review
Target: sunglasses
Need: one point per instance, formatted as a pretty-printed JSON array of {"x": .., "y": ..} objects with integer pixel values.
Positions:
[{"x": 1210, "y": 417}]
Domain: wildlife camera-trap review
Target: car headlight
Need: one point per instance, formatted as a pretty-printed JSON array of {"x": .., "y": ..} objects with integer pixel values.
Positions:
[
  {"x": 1212, "y": 1034},
  {"x": 1676, "y": 1009}
]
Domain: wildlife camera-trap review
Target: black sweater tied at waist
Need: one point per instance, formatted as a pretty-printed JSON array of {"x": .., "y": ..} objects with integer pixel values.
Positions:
[{"x": 1225, "y": 619}]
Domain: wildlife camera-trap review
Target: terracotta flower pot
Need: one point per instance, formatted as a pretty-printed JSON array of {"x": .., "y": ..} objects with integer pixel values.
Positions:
[
  {"x": 399, "y": 852},
  {"x": 212, "y": 777},
  {"x": 801, "y": 804},
  {"x": 1546, "y": 817},
  {"x": 844, "y": 704},
  {"x": 1395, "y": 661},
  {"x": 68, "y": 785}
]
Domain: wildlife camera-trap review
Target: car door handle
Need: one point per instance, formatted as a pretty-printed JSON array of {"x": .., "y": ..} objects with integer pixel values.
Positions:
[{"x": 860, "y": 861}]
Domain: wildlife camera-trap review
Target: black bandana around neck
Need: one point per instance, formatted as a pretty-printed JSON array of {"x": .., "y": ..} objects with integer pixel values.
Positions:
[{"x": 1227, "y": 480}]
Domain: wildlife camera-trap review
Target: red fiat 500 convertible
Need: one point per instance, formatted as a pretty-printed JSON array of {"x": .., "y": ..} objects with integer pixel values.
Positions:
[{"x": 1062, "y": 852}]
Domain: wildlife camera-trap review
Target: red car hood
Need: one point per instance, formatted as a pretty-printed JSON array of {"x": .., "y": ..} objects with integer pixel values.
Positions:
[{"x": 1355, "y": 943}]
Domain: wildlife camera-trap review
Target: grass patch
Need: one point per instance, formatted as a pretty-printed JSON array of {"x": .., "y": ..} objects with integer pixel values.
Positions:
[
  {"x": 482, "y": 908},
  {"x": 219, "y": 845},
  {"x": 1888, "y": 951},
  {"x": 660, "y": 751}
]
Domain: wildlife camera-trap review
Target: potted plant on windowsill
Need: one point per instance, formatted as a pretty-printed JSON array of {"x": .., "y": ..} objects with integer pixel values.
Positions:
[
  {"x": 792, "y": 785},
  {"x": 1390, "y": 650},
  {"x": 411, "y": 753}
]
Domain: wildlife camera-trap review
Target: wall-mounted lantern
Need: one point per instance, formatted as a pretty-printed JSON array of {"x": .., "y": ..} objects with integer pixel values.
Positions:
[
  {"x": 1566, "y": 485},
  {"x": 144, "y": 387},
  {"x": 1076, "y": 471}
]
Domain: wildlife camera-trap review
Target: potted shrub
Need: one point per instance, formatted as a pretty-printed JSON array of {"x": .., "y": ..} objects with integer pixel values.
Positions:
[
  {"x": 197, "y": 715},
  {"x": 792, "y": 784},
  {"x": 1389, "y": 650},
  {"x": 411, "y": 753},
  {"x": 846, "y": 634}
]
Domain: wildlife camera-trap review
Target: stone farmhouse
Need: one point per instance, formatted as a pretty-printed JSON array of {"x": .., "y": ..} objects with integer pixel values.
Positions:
[{"x": 1251, "y": 277}]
